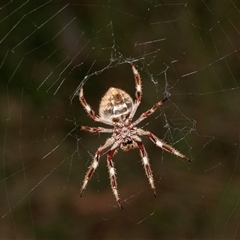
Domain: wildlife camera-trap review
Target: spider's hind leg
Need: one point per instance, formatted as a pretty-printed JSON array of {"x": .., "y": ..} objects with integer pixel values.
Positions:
[{"x": 138, "y": 93}]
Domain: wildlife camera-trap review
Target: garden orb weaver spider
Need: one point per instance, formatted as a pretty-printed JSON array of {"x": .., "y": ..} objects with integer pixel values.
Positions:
[{"x": 117, "y": 109}]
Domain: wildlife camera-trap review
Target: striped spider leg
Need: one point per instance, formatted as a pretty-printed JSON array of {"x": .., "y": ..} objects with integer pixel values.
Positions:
[
  {"x": 95, "y": 163},
  {"x": 162, "y": 144}
]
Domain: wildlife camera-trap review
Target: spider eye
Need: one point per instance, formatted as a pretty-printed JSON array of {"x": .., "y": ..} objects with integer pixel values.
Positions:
[{"x": 127, "y": 142}]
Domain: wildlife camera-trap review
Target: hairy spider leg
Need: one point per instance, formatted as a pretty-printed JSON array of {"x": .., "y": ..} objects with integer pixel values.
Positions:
[
  {"x": 96, "y": 129},
  {"x": 112, "y": 175},
  {"x": 88, "y": 108},
  {"x": 138, "y": 93},
  {"x": 147, "y": 167},
  {"x": 162, "y": 144},
  {"x": 149, "y": 112},
  {"x": 95, "y": 163}
]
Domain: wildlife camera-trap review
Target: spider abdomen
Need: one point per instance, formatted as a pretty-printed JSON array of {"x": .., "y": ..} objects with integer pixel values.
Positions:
[{"x": 115, "y": 104}]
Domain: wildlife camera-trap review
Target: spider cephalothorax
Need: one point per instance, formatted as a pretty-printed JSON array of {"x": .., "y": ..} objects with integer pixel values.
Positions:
[{"x": 117, "y": 109}]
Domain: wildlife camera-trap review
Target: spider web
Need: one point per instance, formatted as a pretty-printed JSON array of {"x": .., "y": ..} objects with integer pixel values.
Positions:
[{"x": 187, "y": 51}]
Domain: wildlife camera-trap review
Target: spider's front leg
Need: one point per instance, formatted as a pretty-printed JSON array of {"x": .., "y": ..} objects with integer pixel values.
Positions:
[
  {"x": 94, "y": 164},
  {"x": 112, "y": 174},
  {"x": 147, "y": 166}
]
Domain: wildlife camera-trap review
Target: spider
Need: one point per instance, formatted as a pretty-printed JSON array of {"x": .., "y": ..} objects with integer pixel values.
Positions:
[{"x": 117, "y": 109}]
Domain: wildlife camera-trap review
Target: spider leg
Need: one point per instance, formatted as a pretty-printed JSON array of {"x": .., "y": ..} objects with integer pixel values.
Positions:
[
  {"x": 138, "y": 92},
  {"x": 88, "y": 108},
  {"x": 149, "y": 112},
  {"x": 95, "y": 163},
  {"x": 112, "y": 174},
  {"x": 161, "y": 144},
  {"x": 147, "y": 166},
  {"x": 96, "y": 129}
]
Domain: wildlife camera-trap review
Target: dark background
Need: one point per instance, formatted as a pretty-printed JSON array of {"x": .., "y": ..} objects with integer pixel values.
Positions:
[{"x": 187, "y": 50}]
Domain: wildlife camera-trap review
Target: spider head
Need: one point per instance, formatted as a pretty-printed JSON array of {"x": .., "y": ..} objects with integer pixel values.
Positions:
[
  {"x": 115, "y": 104},
  {"x": 128, "y": 144}
]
